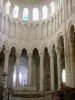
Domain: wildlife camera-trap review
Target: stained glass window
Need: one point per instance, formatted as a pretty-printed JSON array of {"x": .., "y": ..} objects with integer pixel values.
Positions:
[
  {"x": 25, "y": 14},
  {"x": 35, "y": 14}
]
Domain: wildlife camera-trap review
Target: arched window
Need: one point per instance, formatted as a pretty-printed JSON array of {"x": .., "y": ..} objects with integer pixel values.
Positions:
[
  {"x": 52, "y": 7},
  {"x": 60, "y": 1},
  {"x": 1, "y": 3},
  {"x": 35, "y": 14},
  {"x": 15, "y": 11},
  {"x": 44, "y": 12},
  {"x": 25, "y": 14},
  {"x": 8, "y": 5}
]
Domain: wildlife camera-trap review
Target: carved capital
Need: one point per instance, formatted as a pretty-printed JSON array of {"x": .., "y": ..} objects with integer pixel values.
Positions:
[
  {"x": 58, "y": 50},
  {"x": 18, "y": 55}
]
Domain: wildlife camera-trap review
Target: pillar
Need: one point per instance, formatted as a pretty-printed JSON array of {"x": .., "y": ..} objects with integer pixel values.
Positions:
[
  {"x": 34, "y": 73},
  {"x": 29, "y": 70},
  {"x": 7, "y": 53},
  {"x": 58, "y": 51},
  {"x": 41, "y": 71},
  {"x": 72, "y": 63},
  {"x": 52, "y": 69},
  {"x": 66, "y": 61},
  {"x": 17, "y": 68}
]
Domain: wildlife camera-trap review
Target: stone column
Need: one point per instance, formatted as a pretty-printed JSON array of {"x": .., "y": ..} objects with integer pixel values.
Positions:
[
  {"x": 52, "y": 69},
  {"x": 41, "y": 71},
  {"x": 7, "y": 53},
  {"x": 34, "y": 73},
  {"x": 58, "y": 51},
  {"x": 29, "y": 69},
  {"x": 17, "y": 68},
  {"x": 66, "y": 60},
  {"x": 72, "y": 64}
]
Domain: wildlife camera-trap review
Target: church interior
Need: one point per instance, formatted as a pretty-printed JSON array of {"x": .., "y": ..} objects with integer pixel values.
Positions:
[{"x": 37, "y": 45}]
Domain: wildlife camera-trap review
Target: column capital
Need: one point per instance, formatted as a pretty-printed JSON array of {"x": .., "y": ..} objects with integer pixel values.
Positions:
[
  {"x": 41, "y": 55},
  {"x": 0, "y": 49},
  {"x": 7, "y": 52},
  {"x": 18, "y": 55},
  {"x": 29, "y": 55},
  {"x": 51, "y": 53},
  {"x": 58, "y": 49}
]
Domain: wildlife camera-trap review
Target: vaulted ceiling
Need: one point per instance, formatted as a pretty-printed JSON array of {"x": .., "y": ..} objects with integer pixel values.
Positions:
[{"x": 25, "y": 2}]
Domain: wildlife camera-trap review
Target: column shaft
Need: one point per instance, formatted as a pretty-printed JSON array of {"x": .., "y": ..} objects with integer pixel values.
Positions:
[
  {"x": 6, "y": 65},
  {"x": 29, "y": 69},
  {"x": 17, "y": 69},
  {"x": 59, "y": 67},
  {"x": 52, "y": 70},
  {"x": 41, "y": 72},
  {"x": 72, "y": 63},
  {"x": 66, "y": 60}
]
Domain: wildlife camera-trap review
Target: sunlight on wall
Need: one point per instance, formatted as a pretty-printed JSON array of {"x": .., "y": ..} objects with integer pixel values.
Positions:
[{"x": 63, "y": 75}]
